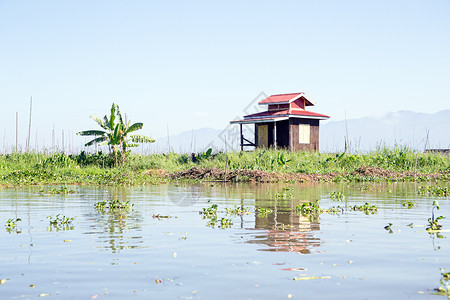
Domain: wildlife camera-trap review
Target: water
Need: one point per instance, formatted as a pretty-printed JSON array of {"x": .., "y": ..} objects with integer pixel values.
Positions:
[{"x": 136, "y": 255}]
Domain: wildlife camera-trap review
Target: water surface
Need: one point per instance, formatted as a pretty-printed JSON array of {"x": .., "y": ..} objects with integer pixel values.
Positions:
[{"x": 141, "y": 254}]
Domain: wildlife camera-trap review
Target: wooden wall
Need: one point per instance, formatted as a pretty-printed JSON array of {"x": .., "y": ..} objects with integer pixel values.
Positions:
[
  {"x": 287, "y": 134},
  {"x": 314, "y": 135}
]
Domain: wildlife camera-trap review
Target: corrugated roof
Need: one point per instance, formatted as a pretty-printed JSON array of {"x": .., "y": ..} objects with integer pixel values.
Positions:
[{"x": 285, "y": 98}]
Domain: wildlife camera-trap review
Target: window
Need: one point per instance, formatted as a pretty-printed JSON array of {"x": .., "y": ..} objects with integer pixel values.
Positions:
[{"x": 303, "y": 134}]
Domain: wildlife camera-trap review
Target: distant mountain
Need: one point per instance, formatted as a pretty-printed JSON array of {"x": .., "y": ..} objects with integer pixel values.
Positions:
[{"x": 404, "y": 128}]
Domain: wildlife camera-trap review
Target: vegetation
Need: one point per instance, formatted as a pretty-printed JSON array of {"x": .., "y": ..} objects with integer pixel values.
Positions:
[
  {"x": 113, "y": 205},
  {"x": 433, "y": 224},
  {"x": 434, "y": 191},
  {"x": 99, "y": 168},
  {"x": 338, "y": 196},
  {"x": 444, "y": 288},
  {"x": 11, "y": 225},
  {"x": 60, "y": 223},
  {"x": 116, "y": 134}
]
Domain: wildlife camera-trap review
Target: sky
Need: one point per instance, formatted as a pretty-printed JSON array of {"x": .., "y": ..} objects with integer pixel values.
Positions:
[{"x": 183, "y": 65}]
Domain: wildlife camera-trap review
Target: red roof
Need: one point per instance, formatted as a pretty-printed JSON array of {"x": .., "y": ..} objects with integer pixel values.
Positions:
[
  {"x": 284, "y": 98},
  {"x": 282, "y": 113}
]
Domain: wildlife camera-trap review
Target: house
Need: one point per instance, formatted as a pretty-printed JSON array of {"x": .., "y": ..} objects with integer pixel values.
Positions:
[{"x": 286, "y": 124}]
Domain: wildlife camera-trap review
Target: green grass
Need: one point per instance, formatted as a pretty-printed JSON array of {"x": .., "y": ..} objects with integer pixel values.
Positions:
[{"x": 36, "y": 168}]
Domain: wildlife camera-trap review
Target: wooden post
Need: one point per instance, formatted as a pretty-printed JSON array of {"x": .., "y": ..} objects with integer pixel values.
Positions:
[
  {"x": 256, "y": 136},
  {"x": 242, "y": 137},
  {"x": 275, "y": 134}
]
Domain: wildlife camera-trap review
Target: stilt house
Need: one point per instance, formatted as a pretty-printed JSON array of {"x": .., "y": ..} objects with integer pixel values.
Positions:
[{"x": 286, "y": 124}]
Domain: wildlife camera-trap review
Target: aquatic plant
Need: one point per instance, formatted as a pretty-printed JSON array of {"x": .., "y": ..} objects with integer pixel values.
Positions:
[
  {"x": 113, "y": 205},
  {"x": 308, "y": 208},
  {"x": 237, "y": 211},
  {"x": 409, "y": 204},
  {"x": 444, "y": 287},
  {"x": 334, "y": 210},
  {"x": 337, "y": 195},
  {"x": 225, "y": 223},
  {"x": 58, "y": 191},
  {"x": 433, "y": 221},
  {"x": 263, "y": 211},
  {"x": 433, "y": 190},
  {"x": 388, "y": 227},
  {"x": 60, "y": 222},
  {"x": 366, "y": 208},
  {"x": 12, "y": 223},
  {"x": 209, "y": 212}
]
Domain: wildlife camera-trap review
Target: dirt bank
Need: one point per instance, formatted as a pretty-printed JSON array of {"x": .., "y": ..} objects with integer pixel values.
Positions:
[{"x": 243, "y": 175}]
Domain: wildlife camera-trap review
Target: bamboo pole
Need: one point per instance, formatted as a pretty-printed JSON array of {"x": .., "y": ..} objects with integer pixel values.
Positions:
[
  {"x": 29, "y": 126},
  {"x": 53, "y": 138},
  {"x": 17, "y": 131}
]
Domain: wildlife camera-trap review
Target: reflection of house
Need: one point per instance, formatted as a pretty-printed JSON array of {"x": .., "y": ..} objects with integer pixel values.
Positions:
[
  {"x": 286, "y": 231},
  {"x": 286, "y": 124}
]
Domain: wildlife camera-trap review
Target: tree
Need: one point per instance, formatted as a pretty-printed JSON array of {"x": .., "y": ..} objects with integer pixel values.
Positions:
[{"x": 116, "y": 134}]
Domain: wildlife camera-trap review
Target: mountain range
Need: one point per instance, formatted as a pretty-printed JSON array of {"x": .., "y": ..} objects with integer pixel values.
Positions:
[{"x": 403, "y": 128}]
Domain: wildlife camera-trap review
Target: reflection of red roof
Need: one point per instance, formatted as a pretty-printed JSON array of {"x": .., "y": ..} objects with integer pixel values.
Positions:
[
  {"x": 285, "y": 98},
  {"x": 287, "y": 113}
]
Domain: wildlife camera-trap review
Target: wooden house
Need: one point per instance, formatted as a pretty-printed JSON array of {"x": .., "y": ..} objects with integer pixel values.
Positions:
[{"x": 286, "y": 124}]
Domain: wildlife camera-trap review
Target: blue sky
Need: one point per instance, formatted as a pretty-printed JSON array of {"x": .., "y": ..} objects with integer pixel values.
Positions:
[{"x": 193, "y": 64}]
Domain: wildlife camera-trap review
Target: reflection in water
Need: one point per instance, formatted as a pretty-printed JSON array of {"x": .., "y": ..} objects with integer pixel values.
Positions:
[
  {"x": 118, "y": 226},
  {"x": 285, "y": 230}
]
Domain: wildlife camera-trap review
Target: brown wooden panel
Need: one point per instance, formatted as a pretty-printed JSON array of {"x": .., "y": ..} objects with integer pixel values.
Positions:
[
  {"x": 262, "y": 135},
  {"x": 314, "y": 135}
]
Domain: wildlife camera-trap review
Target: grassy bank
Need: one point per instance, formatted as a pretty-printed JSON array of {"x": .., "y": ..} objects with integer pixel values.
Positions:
[{"x": 34, "y": 168}]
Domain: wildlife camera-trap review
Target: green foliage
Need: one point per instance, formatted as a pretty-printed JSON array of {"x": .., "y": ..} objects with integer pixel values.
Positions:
[
  {"x": 339, "y": 196},
  {"x": 98, "y": 168},
  {"x": 388, "y": 227},
  {"x": 433, "y": 190},
  {"x": 60, "y": 223},
  {"x": 58, "y": 160},
  {"x": 116, "y": 134},
  {"x": 11, "y": 223},
  {"x": 263, "y": 211},
  {"x": 366, "y": 208},
  {"x": 113, "y": 205},
  {"x": 409, "y": 204},
  {"x": 98, "y": 159},
  {"x": 63, "y": 190},
  {"x": 433, "y": 221},
  {"x": 444, "y": 287},
  {"x": 309, "y": 208},
  {"x": 237, "y": 211},
  {"x": 208, "y": 212}
]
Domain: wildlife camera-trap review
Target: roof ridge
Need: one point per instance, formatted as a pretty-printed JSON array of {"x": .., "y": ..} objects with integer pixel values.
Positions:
[{"x": 287, "y": 94}]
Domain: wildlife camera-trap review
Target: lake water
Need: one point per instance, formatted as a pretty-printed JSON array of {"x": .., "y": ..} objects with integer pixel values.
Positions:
[{"x": 139, "y": 253}]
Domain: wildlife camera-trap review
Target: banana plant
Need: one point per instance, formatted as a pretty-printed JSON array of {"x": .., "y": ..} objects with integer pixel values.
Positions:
[
  {"x": 115, "y": 134},
  {"x": 125, "y": 138}
]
